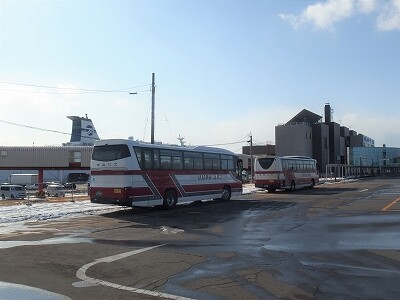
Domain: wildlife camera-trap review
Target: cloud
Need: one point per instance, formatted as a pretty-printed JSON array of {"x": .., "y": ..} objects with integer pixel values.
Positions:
[
  {"x": 324, "y": 15},
  {"x": 366, "y": 6},
  {"x": 389, "y": 19}
]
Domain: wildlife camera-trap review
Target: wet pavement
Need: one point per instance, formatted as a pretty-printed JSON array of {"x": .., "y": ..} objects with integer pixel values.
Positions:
[
  {"x": 338, "y": 241},
  {"x": 18, "y": 291}
]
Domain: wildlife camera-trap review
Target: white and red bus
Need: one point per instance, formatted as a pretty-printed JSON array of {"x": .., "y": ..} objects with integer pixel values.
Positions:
[
  {"x": 132, "y": 173},
  {"x": 286, "y": 172}
]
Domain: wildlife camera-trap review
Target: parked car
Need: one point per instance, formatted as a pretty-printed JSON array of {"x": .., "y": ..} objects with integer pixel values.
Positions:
[
  {"x": 12, "y": 191},
  {"x": 70, "y": 185},
  {"x": 32, "y": 187},
  {"x": 55, "y": 190}
]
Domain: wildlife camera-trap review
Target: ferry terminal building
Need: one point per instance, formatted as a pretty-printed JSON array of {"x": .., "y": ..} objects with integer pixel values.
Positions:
[{"x": 339, "y": 151}]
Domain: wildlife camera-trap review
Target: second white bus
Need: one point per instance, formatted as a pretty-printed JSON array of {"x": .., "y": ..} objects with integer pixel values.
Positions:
[
  {"x": 131, "y": 173},
  {"x": 286, "y": 172}
]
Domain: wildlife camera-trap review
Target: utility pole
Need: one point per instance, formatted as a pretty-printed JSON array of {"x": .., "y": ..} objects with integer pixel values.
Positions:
[
  {"x": 251, "y": 158},
  {"x": 153, "y": 94}
]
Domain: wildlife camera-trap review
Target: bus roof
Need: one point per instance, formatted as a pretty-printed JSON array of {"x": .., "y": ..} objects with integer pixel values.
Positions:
[
  {"x": 285, "y": 157},
  {"x": 163, "y": 146},
  {"x": 297, "y": 157}
]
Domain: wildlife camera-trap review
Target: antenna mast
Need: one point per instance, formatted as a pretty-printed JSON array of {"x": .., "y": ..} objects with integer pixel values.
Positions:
[{"x": 181, "y": 140}]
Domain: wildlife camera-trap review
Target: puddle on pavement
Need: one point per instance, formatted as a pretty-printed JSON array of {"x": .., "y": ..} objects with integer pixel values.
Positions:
[
  {"x": 340, "y": 234},
  {"x": 23, "y": 292}
]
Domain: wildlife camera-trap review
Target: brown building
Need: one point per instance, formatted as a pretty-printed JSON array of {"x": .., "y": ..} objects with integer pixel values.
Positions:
[{"x": 259, "y": 150}]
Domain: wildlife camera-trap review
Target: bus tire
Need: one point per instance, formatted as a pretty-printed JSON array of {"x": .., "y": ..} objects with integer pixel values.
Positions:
[
  {"x": 292, "y": 186},
  {"x": 3, "y": 196},
  {"x": 226, "y": 193},
  {"x": 169, "y": 199},
  {"x": 312, "y": 183},
  {"x": 271, "y": 190}
]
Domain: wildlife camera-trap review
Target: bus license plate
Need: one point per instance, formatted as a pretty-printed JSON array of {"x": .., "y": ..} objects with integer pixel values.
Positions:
[{"x": 117, "y": 191}]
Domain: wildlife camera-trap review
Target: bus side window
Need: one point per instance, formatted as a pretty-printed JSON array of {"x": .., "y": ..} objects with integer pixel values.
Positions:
[
  {"x": 217, "y": 163},
  {"x": 207, "y": 163},
  {"x": 227, "y": 162},
  {"x": 177, "y": 162},
  {"x": 165, "y": 162},
  {"x": 212, "y": 161},
  {"x": 138, "y": 152},
  {"x": 147, "y": 159},
  {"x": 156, "y": 156},
  {"x": 231, "y": 165},
  {"x": 188, "y": 161},
  {"x": 198, "y": 163}
]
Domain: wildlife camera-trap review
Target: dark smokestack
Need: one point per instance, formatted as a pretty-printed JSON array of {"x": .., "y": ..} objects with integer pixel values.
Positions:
[{"x": 328, "y": 113}]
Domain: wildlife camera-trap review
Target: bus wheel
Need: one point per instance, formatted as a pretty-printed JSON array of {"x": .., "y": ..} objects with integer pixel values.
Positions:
[
  {"x": 292, "y": 185},
  {"x": 312, "y": 183},
  {"x": 271, "y": 190},
  {"x": 3, "y": 197},
  {"x": 169, "y": 199},
  {"x": 226, "y": 193}
]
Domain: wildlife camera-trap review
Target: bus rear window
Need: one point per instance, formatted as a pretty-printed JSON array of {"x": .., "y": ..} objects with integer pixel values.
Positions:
[
  {"x": 265, "y": 163},
  {"x": 110, "y": 152}
]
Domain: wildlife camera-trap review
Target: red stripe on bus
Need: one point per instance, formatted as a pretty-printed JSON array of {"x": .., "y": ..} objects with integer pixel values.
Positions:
[
  {"x": 158, "y": 172},
  {"x": 268, "y": 172}
]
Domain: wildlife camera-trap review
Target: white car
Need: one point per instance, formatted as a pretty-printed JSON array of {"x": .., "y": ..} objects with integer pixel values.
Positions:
[
  {"x": 55, "y": 190},
  {"x": 12, "y": 191}
]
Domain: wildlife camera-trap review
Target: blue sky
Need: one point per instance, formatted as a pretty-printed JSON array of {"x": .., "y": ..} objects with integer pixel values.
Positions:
[{"x": 223, "y": 68}]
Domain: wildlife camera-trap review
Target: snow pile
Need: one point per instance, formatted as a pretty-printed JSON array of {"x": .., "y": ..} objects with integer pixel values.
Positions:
[
  {"x": 19, "y": 214},
  {"x": 249, "y": 188},
  {"x": 14, "y": 216}
]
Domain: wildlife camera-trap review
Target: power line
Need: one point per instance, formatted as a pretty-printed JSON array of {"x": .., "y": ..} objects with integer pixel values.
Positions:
[
  {"x": 41, "y": 92},
  {"x": 81, "y": 90},
  {"x": 40, "y": 129},
  {"x": 237, "y": 150},
  {"x": 233, "y": 143},
  {"x": 33, "y": 127}
]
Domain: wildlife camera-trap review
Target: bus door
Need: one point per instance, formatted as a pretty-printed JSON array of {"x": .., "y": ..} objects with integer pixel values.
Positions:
[
  {"x": 140, "y": 182},
  {"x": 147, "y": 166},
  {"x": 239, "y": 169}
]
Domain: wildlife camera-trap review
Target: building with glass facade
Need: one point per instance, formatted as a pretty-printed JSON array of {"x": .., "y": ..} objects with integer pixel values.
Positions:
[{"x": 374, "y": 156}]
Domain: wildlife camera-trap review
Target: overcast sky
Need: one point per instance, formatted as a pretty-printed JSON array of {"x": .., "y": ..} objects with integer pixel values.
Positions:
[{"x": 223, "y": 68}]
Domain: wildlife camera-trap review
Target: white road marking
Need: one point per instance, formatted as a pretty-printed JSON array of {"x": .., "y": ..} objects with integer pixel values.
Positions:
[
  {"x": 363, "y": 190},
  {"x": 89, "y": 281}
]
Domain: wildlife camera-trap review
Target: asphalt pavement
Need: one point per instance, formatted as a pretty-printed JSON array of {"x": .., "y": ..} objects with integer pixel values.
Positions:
[{"x": 336, "y": 241}]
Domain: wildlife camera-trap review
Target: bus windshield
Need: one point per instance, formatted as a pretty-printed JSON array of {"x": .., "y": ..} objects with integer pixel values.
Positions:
[{"x": 110, "y": 152}]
